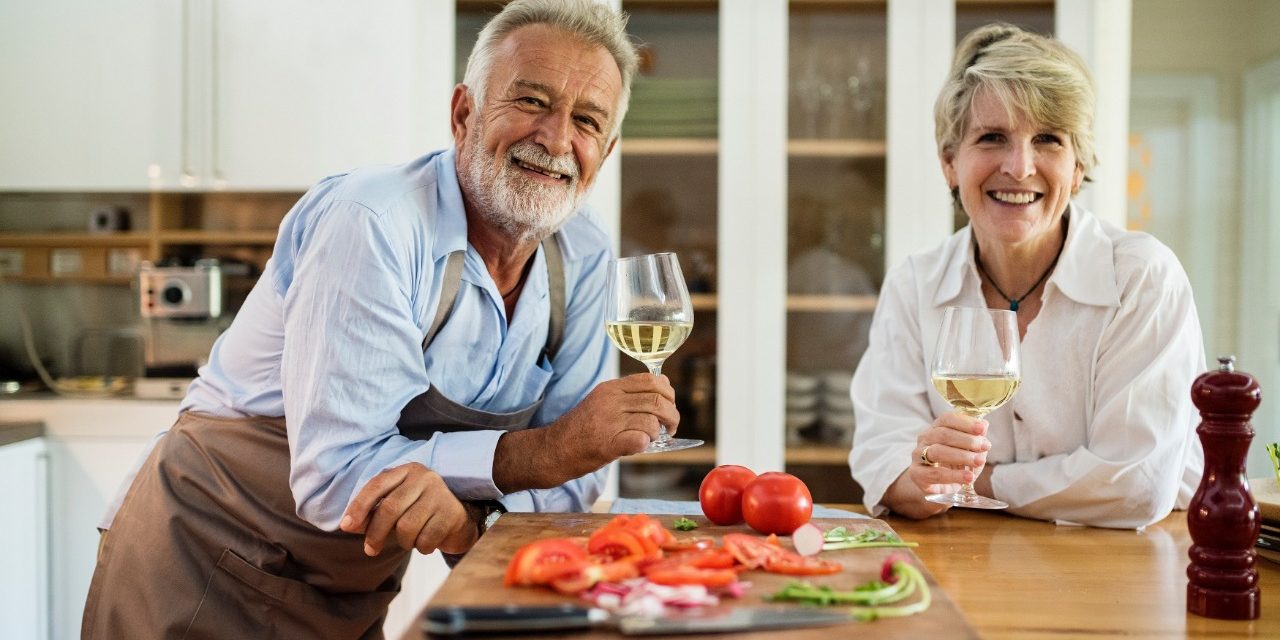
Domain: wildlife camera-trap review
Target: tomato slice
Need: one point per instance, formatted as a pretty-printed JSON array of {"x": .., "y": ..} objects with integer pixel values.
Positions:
[
  {"x": 591, "y": 574},
  {"x": 689, "y": 543},
  {"x": 644, "y": 526},
  {"x": 617, "y": 543},
  {"x": 705, "y": 559},
  {"x": 794, "y": 564},
  {"x": 672, "y": 574},
  {"x": 749, "y": 550},
  {"x": 543, "y": 561}
]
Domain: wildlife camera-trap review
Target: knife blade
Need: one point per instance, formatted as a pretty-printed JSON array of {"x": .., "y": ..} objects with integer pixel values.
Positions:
[{"x": 454, "y": 620}]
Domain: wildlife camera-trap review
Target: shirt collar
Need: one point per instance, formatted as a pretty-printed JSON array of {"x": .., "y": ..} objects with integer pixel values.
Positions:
[
  {"x": 1085, "y": 273},
  {"x": 451, "y": 214}
]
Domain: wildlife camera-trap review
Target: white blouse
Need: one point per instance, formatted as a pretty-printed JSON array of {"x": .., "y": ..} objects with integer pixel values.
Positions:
[{"x": 1101, "y": 431}]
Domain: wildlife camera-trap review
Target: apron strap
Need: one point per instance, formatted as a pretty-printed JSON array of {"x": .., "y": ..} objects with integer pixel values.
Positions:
[
  {"x": 448, "y": 294},
  {"x": 555, "y": 284}
]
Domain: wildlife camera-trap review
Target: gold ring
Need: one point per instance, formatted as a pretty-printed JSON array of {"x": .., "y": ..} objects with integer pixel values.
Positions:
[{"x": 924, "y": 456}]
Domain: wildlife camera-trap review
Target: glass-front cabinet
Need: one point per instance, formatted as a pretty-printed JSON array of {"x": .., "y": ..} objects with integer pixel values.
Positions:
[{"x": 785, "y": 151}]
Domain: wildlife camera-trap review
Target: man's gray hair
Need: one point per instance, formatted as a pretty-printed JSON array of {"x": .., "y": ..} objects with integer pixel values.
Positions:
[{"x": 590, "y": 20}]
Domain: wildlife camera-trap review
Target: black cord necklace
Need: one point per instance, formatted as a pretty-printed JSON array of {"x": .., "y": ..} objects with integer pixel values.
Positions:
[{"x": 1015, "y": 302}]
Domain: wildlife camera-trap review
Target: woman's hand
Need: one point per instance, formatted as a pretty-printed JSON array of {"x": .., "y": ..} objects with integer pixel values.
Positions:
[
  {"x": 410, "y": 505},
  {"x": 938, "y": 462}
]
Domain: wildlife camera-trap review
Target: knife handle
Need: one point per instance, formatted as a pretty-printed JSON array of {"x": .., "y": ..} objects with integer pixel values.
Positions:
[{"x": 450, "y": 621}]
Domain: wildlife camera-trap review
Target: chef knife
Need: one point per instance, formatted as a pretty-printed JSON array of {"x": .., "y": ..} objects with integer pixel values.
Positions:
[{"x": 448, "y": 621}]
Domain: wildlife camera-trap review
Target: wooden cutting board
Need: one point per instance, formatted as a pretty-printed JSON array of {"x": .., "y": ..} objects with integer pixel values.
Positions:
[{"x": 477, "y": 580}]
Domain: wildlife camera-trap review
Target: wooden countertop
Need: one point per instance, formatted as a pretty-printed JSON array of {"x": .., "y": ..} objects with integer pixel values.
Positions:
[{"x": 1018, "y": 578}]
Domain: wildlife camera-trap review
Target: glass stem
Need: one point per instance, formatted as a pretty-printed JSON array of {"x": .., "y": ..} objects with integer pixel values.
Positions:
[
  {"x": 656, "y": 369},
  {"x": 966, "y": 489}
]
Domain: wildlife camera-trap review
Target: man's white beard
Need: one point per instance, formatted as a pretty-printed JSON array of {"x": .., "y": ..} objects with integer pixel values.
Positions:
[{"x": 525, "y": 209}]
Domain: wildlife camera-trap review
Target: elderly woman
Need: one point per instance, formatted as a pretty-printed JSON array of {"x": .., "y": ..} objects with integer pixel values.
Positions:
[{"x": 1101, "y": 431}]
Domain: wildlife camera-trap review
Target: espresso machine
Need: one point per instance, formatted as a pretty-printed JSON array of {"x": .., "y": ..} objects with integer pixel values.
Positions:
[{"x": 182, "y": 310}]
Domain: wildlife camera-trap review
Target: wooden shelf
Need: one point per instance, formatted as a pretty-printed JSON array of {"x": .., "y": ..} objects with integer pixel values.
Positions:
[
  {"x": 821, "y": 148},
  {"x": 703, "y": 301},
  {"x": 825, "y": 303},
  {"x": 799, "y": 148},
  {"x": 218, "y": 237},
  {"x": 670, "y": 146},
  {"x": 802, "y": 303},
  {"x": 813, "y": 455},
  {"x": 121, "y": 280},
  {"x": 131, "y": 239}
]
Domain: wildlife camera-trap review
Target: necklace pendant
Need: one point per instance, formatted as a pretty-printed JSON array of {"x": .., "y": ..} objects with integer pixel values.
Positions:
[{"x": 1013, "y": 305}]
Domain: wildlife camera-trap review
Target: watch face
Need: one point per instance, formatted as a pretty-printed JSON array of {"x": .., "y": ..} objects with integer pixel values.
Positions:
[{"x": 491, "y": 518}]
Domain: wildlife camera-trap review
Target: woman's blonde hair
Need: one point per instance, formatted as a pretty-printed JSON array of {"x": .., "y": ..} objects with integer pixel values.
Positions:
[{"x": 1029, "y": 74}]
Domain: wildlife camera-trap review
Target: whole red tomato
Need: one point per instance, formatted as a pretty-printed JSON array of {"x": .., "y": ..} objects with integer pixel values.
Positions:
[
  {"x": 776, "y": 502},
  {"x": 721, "y": 493}
]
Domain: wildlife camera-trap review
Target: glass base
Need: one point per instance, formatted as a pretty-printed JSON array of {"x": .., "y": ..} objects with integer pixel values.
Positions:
[
  {"x": 672, "y": 444},
  {"x": 970, "y": 500}
]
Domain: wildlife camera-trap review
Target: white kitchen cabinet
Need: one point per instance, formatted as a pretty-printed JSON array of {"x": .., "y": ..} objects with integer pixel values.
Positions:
[
  {"x": 92, "y": 93},
  {"x": 227, "y": 94},
  {"x": 281, "y": 94},
  {"x": 24, "y": 541}
]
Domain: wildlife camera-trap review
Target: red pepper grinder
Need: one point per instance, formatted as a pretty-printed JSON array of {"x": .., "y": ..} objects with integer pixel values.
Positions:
[{"x": 1223, "y": 518}]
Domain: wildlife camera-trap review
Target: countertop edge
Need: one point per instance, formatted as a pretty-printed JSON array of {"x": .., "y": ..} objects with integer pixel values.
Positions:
[{"x": 13, "y": 432}]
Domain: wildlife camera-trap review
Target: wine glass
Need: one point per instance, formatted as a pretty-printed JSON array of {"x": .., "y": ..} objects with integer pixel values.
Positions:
[
  {"x": 648, "y": 316},
  {"x": 977, "y": 368}
]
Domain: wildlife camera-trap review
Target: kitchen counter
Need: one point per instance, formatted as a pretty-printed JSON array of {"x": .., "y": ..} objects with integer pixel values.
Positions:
[
  {"x": 112, "y": 416},
  {"x": 11, "y": 432},
  {"x": 1018, "y": 578}
]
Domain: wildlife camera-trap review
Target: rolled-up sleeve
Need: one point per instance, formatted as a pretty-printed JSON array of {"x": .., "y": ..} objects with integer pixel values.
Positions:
[{"x": 352, "y": 358}]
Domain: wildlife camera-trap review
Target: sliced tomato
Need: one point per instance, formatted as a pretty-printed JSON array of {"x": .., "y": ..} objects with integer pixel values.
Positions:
[
  {"x": 670, "y": 573},
  {"x": 705, "y": 559},
  {"x": 617, "y": 543},
  {"x": 749, "y": 550},
  {"x": 543, "y": 561},
  {"x": 689, "y": 543},
  {"x": 794, "y": 564},
  {"x": 643, "y": 525},
  {"x": 591, "y": 574}
]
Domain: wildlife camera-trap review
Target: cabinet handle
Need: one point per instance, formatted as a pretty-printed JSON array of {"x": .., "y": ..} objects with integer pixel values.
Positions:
[
  {"x": 217, "y": 105},
  {"x": 43, "y": 531},
  {"x": 184, "y": 142}
]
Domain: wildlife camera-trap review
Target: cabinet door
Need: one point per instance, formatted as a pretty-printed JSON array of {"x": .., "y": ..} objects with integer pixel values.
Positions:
[
  {"x": 24, "y": 541},
  {"x": 85, "y": 474},
  {"x": 302, "y": 89},
  {"x": 92, "y": 94}
]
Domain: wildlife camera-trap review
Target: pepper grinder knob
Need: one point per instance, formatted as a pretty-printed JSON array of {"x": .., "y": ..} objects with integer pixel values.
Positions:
[{"x": 1222, "y": 579}]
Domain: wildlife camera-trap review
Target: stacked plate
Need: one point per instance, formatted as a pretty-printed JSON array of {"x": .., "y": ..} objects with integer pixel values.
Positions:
[{"x": 672, "y": 108}]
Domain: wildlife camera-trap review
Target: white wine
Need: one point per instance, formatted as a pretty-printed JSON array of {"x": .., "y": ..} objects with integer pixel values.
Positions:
[
  {"x": 648, "y": 341},
  {"x": 976, "y": 394}
]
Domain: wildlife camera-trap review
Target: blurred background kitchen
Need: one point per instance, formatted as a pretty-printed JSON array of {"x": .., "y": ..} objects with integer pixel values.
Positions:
[{"x": 150, "y": 148}]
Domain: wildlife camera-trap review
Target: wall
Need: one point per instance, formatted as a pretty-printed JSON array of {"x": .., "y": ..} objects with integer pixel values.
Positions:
[{"x": 1223, "y": 39}]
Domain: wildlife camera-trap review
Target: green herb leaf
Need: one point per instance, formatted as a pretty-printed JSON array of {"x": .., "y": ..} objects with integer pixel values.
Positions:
[
  {"x": 870, "y": 597},
  {"x": 842, "y": 538},
  {"x": 685, "y": 524}
]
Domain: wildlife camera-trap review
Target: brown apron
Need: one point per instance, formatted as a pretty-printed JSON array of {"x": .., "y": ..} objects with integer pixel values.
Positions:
[{"x": 207, "y": 543}]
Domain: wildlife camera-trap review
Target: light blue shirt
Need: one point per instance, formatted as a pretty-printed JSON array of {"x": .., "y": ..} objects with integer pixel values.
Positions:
[{"x": 331, "y": 338}]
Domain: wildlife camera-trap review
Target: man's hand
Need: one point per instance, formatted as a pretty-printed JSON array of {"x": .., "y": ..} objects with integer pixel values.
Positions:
[
  {"x": 411, "y": 506},
  {"x": 618, "y": 418}
]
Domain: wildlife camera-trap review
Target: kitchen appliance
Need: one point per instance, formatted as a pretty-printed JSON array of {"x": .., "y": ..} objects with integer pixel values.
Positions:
[
  {"x": 181, "y": 292},
  {"x": 182, "y": 311}
]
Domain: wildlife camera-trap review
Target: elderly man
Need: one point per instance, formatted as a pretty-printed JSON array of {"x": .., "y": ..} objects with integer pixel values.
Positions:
[{"x": 424, "y": 349}]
